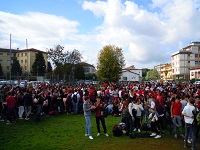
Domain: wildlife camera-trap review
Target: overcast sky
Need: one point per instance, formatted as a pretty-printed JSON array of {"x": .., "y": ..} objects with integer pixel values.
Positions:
[{"x": 148, "y": 31}]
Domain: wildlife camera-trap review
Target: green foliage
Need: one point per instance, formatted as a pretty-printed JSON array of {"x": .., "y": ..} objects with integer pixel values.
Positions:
[
  {"x": 153, "y": 74},
  {"x": 1, "y": 71},
  {"x": 90, "y": 76},
  {"x": 66, "y": 63},
  {"x": 49, "y": 67},
  {"x": 110, "y": 64},
  {"x": 79, "y": 72},
  {"x": 39, "y": 67},
  {"x": 56, "y": 54},
  {"x": 16, "y": 68},
  {"x": 67, "y": 132},
  {"x": 144, "y": 72}
]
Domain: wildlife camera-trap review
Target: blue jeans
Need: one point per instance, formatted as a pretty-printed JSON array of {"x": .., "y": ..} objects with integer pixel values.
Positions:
[
  {"x": 177, "y": 121},
  {"x": 129, "y": 124},
  {"x": 76, "y": 107},
  {"x": 194, "y": 131},
  {"x": 88, "y": 125},
  {"x": 39, "y": 110},
  {"x": 11, "y": 115},
  {"x": 188, "y": 129}
]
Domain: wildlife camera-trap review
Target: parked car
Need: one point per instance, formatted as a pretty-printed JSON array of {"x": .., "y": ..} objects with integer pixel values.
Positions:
[{"x": 197, "y": 82}]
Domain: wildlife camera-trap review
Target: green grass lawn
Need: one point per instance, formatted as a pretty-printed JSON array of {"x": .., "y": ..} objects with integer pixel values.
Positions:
[{"x": 67, "y": 132}]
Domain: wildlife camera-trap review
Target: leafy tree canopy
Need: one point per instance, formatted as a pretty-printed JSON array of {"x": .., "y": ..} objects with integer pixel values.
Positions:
[
  {"x": 1, "y": 70},
  {"x": 110, "y": 63},
  {"x": 39, "y": 67},
  {"x": 153, "y": 74},
  {"x": 16, "y": 68}
]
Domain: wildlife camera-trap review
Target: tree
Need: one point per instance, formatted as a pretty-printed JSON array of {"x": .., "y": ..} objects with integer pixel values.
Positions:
[
  {"x": 56, "y": 54},
  {"x": 39, "y": 67},
  {"x": 153, "y": 74},
  {"x": 49, "y": 67},
  {"x": 91, "y": 76},
  {"x": 16, "y": 68},
  {"x": 68, "y": 59},
  {"x": 1, "y": 70},
  {"x": 144, "y": 73},
  {"x": 110, "y": 64},
  {"x": 79, "y": 72}
]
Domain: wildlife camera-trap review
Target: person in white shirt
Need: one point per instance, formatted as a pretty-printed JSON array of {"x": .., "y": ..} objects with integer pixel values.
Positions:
[
  {"x": 139, "y": 109},
  {"x": 189, "y": 118},
  {"x": 132, "y": 117}
]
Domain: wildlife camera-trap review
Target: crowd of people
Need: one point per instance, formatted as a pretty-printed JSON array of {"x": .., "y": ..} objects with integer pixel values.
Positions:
[{"x": 160, "y": 105}]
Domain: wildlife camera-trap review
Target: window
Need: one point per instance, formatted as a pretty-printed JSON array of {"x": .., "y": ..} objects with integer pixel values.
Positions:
[
  {"x": 25, "y": 54},
  {"x": 25, "y": 60},
  {"x": 8, "y": 54},
  {"x": 7, "y": 68},
  {"x": 196, "y": 55},
  {"x": 1, "y": 54},
  {"x": 17, "y": 55},
  {"x": 188, "y": 62},
  {"x": 124, "y": 78},
  {"x": 25, "y": 67},
  {"x": 21, "y": 61},
  {"x": 22, "y": 54}
]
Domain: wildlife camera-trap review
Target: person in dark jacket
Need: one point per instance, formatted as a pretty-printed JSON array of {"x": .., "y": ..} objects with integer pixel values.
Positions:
[
  {"x": 100, "y": 116},
  {"x": 28, "y": 101},
  {"x": 20, "y": 101},
  {"x": 40, "y": 96}
]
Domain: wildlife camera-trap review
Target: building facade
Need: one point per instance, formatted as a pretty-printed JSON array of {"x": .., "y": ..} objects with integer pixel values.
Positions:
[
  {"x": 195, "y": 73},
  {"x": 131, "y": 74},
  {"x": 88, "y": 68},
  {"x": 166, "y": 72},
  {"x": 184, "y": 60},
  {"x": 26, "y": 58}
]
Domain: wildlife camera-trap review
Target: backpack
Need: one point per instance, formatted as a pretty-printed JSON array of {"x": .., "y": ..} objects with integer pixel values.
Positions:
[
  {"x": 196, "y": 114},
  {"x": 69, "y": 99},
  {"x": 125, "y": 113},
  {"x": 75, "y": 98},
  {"x": 117, "y": 131}
]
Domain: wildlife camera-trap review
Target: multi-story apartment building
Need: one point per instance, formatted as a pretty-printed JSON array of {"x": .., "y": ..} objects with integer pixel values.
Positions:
[
  {"x": 166, "y": 72},
  {"x": 184, "y": 60},
  {"x": 158, "y": 68},
  {"x": 26, "y": 58}
]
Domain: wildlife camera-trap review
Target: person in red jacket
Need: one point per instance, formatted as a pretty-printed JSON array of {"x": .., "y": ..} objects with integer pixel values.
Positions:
[
  {"x": 100, "y": 116},
  {"x": 160, "y": 98},
  {"x": 11, "y": 108},
  {"x": 176, "y": 109}
]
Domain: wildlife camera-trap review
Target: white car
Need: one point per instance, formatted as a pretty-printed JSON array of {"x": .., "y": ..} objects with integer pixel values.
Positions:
[{"x": 197, "y": 82}]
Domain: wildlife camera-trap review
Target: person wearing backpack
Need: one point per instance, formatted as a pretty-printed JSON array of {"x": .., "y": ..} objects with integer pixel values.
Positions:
[
  {"x": 129, "y": 117},
  {"x": 75, "y": 99},
  {"x": 69, "y": 103},
  {"x": 189, "y": 119}
]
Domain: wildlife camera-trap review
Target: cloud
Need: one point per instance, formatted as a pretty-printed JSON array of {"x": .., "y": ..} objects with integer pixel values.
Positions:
[
  {"x": 38, "y": 28},
  {"x": 147, "y": 35}
]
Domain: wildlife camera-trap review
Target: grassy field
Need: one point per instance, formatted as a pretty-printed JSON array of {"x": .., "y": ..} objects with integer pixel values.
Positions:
[{"x": 67, "y": 132}]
